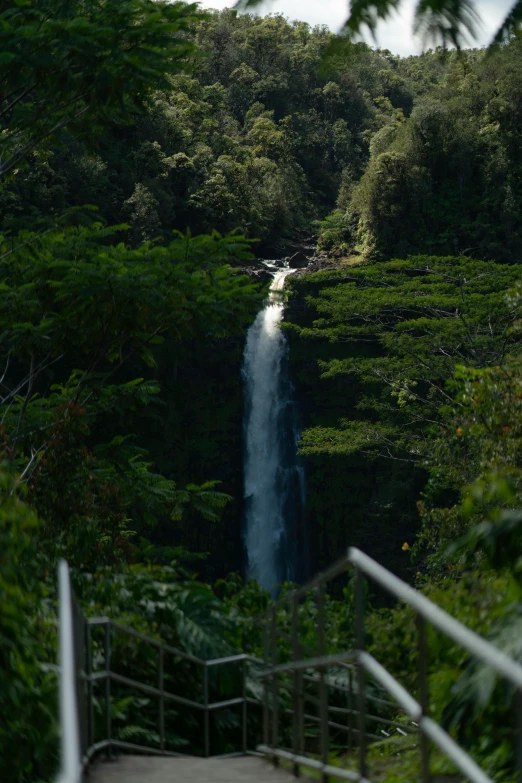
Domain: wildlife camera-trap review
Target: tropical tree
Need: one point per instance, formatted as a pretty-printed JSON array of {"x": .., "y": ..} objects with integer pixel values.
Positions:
[
  {"x": 80, "y": 64},
  {"x": 80, "y": 320}
]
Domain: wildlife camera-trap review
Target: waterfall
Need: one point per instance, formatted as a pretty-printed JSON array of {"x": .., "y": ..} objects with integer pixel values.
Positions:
[{"x": 273, "y": 475}]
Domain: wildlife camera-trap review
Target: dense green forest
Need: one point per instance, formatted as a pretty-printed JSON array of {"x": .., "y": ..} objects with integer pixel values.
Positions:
[{"x": 149, "y": 154}]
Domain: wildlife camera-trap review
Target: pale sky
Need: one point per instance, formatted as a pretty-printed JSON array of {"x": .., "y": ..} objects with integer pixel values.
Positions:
[{"x": 394, "y": 34}]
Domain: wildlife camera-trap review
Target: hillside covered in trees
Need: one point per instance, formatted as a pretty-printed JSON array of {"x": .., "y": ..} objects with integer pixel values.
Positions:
[{"x": 149, "y": 156}]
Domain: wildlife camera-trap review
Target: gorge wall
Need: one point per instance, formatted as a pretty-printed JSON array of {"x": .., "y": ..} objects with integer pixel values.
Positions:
[{"x": 351, "y": 500}]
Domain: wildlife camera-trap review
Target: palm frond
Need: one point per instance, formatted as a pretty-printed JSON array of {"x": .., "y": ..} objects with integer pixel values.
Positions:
[
  {"x": 511, "y": 24},
  {"x": 446, "y": 21},
  {"x": 368, "y": 14}
]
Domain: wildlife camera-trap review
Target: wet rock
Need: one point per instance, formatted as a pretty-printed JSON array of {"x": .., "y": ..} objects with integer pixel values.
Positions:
[
  {"x": 316, "y": 263},
  {"x": 298, "y": 261},
  {"x": 262, "y": 275},
  {"x": 258, "y": 271}
]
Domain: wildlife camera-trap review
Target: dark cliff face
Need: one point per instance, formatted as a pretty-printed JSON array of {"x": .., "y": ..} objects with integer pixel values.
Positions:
[
  {"x": 196, "y": 436},
  {"x": 352, "y": 500}
]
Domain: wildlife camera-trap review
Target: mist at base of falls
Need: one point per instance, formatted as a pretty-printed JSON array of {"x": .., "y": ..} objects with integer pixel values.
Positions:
[{"x": 274, "y": 479}]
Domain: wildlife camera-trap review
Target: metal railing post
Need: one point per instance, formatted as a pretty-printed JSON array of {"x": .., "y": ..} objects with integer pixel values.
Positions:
[
  {"x": 244, "y": 706},
  {"x": 108, "y": 714},
  {"x": 296, "y": 741},
  {"x": 80, "y": 664},
  {"x": 518, "y": 707},
  {"x": 88, "y": 672},
  {"x": 161, "y": 688},
  {"x": 266, "y": 645},
  {"x": 361, "y": 679},
  {"x": 323, "y": 686},
  {"x": 350, "y": 708},
  {"x": 206, "y": 713},
  {"x": 424, "y": 696},
  {"x": 275, "y": 701},
  {"x": 70, "y": 753}
]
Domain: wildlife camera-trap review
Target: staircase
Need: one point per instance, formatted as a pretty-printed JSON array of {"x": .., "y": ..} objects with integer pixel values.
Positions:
[
  {"x": 311, "y": 701},
  {"x": 137, "y": 769}
]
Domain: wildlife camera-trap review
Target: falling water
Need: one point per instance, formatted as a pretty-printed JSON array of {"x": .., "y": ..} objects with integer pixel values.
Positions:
[{"x": 274, "y": 478}]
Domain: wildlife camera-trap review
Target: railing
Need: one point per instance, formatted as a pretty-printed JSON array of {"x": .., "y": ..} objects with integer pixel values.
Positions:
[
  {"x": 345, "y": 704},
  {"x": 78, "y": 679},
  {"x": 70, "y": 752},
  {"x": 360, "y": 666}
]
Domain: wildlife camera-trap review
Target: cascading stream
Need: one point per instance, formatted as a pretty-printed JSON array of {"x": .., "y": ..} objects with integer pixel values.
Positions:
[{"x": 274, "y": 479}]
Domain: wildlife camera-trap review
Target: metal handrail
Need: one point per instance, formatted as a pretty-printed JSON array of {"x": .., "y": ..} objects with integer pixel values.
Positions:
[
  {"x": 77, "y": 678},
  {"x": 71, "y": 764},
  {"x": 365, "y": 664},
  {"x": 437, "y": 617}
]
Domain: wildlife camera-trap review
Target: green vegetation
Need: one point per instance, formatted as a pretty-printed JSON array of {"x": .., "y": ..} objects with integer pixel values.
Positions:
[
  {"x": 253, "y": 135},
  {"x": 409, "y": 375},
  {"x": 444, "y": 181},
  {"x": 374, "y": 347},
  {"x": 82, "y": 65},
  {"x": 144, "y": 148}
]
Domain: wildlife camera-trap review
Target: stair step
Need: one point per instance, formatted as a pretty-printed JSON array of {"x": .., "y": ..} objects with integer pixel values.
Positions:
[{"x": 187, "y": 769}]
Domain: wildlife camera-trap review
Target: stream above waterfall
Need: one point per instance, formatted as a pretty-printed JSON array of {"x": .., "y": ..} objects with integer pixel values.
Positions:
[{"x": 274, "y": 481}]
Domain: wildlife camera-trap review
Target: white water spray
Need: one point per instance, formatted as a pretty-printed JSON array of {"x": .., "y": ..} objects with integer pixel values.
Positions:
[{"x": 274, "y": 481}]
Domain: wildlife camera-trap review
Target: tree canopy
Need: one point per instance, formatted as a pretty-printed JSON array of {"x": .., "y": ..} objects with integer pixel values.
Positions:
[{"x": 81, "y": 64}]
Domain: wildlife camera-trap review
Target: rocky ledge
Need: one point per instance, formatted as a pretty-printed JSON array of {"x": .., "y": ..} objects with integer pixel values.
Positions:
[{"x": 303, "y": 260}]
